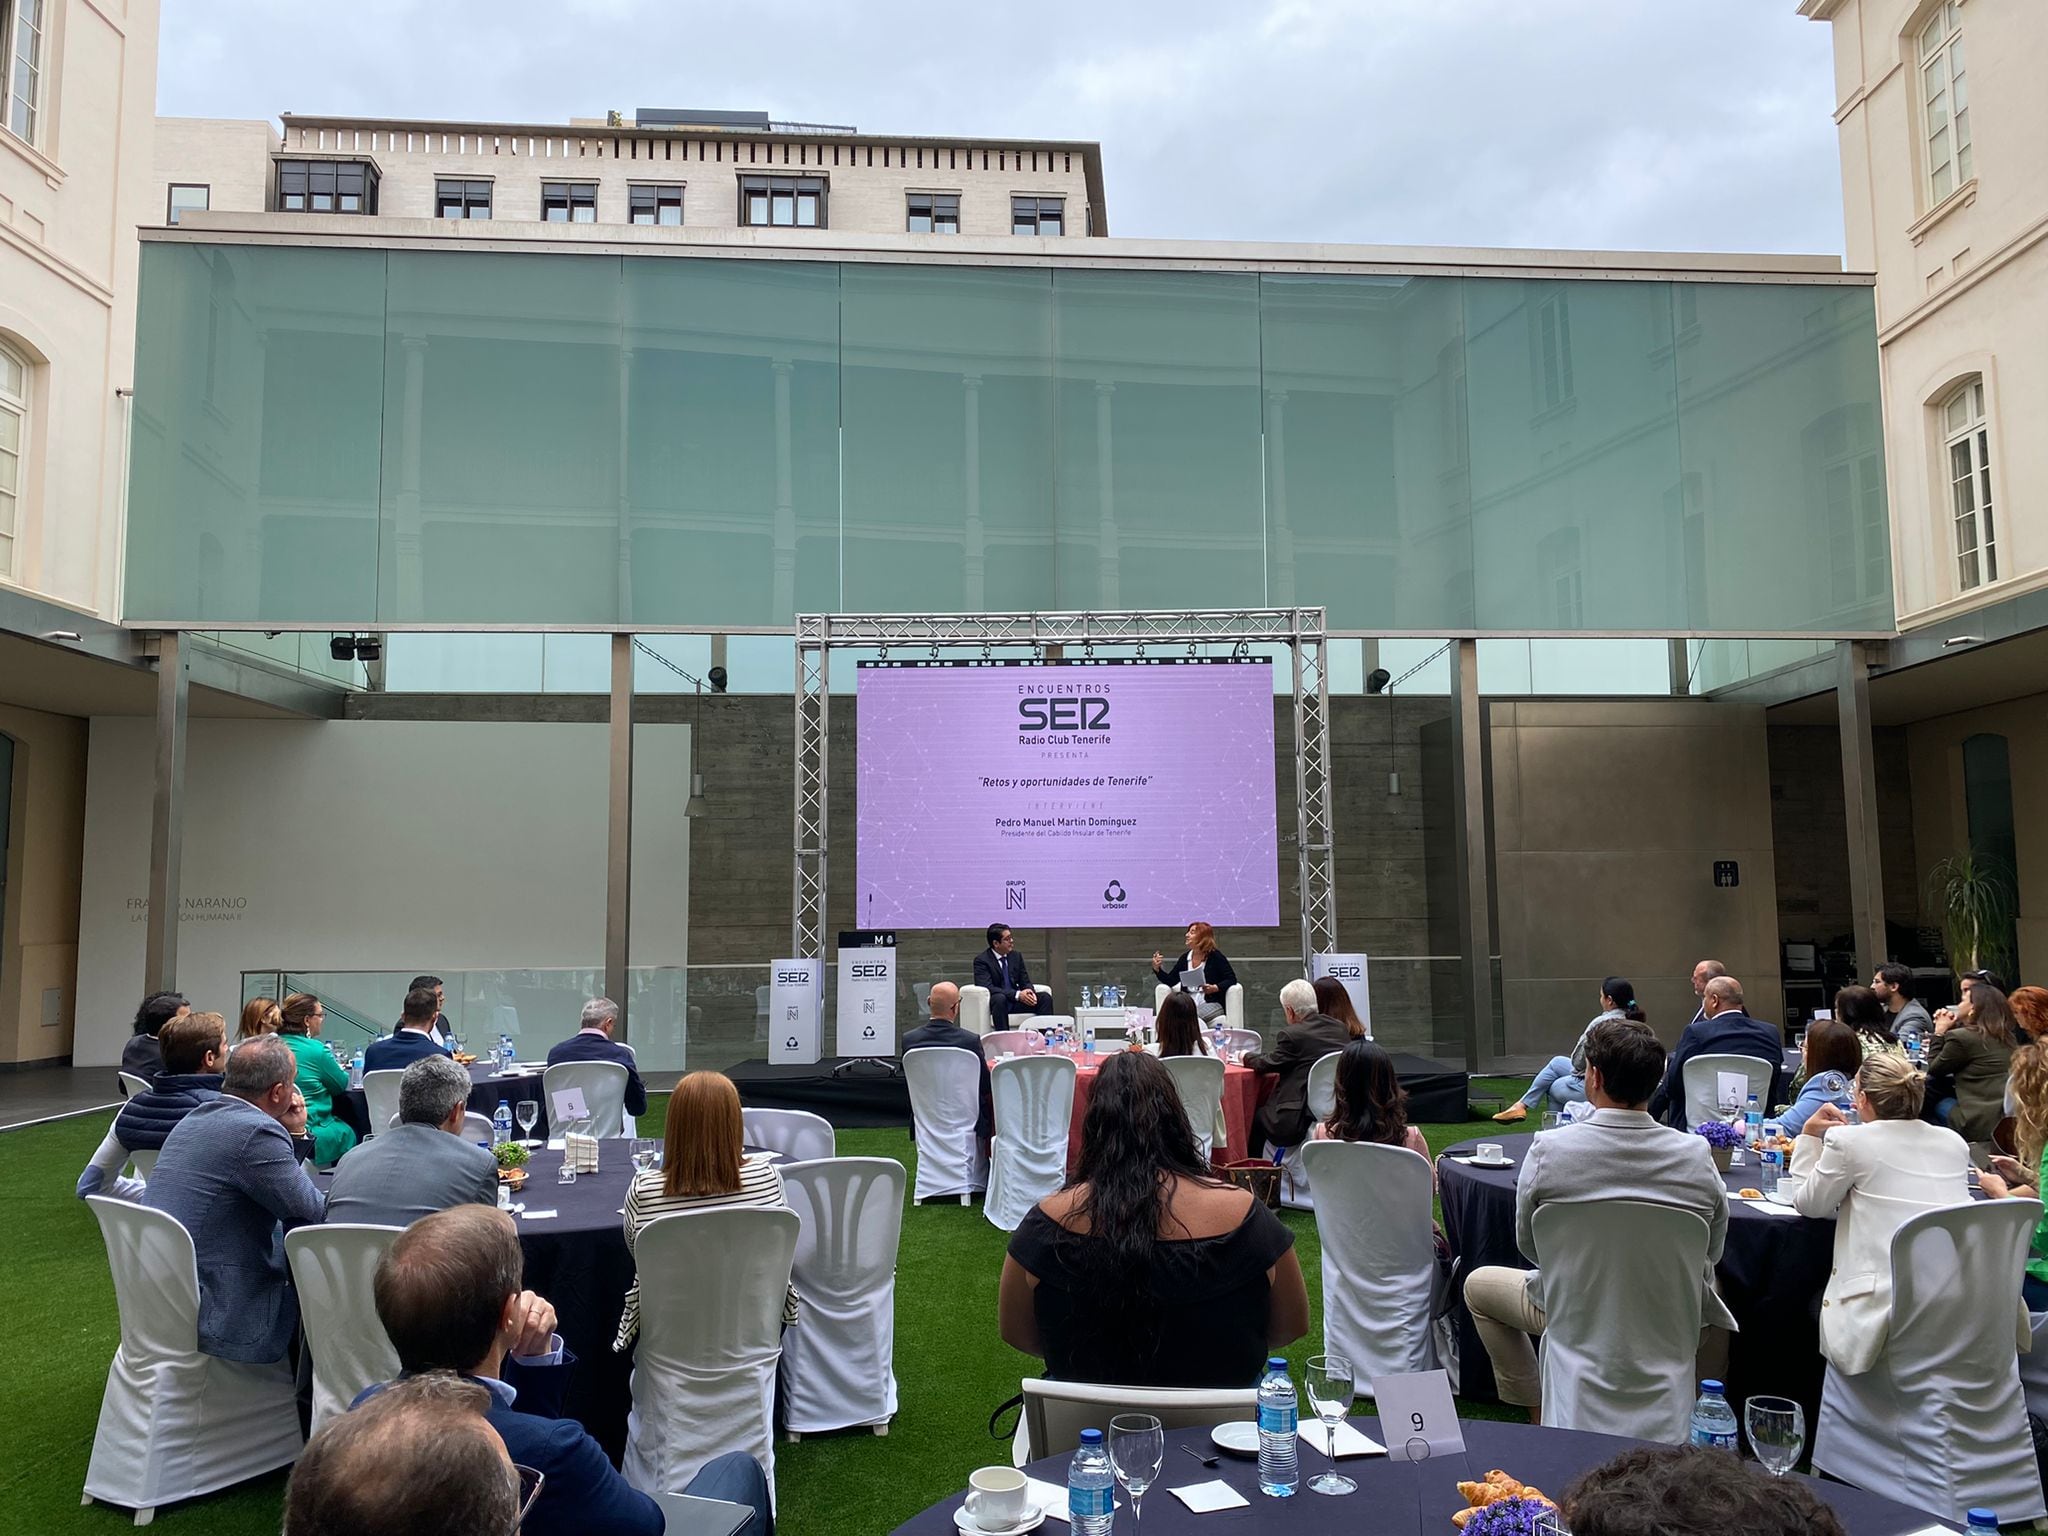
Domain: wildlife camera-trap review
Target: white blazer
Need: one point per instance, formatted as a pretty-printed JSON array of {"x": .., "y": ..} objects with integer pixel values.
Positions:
[{"x": 1872, "y": 1178}]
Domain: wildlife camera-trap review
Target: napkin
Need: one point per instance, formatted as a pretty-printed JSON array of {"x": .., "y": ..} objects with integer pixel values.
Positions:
[
  {"x": 1770, "y": 1207},
  {"x": 539, "y": 1215},
  {"x": 1350, "y": 1442},
  {"x": 1207, "y": 1498},
  {"x": 1047, "y": 1496}
]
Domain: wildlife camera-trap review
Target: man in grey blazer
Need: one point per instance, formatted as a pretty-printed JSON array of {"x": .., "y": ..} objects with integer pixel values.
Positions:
[
  {"x": 1618, "y": 1153},
  {"x": 228, "y": 1173},
  {"x": 422, "y": 1164}
]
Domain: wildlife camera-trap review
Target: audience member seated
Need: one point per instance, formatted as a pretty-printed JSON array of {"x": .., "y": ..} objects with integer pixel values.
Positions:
[
  {"x": 1722, "y": 1029},
  {"x": 1972, "y": 1059},
  {"x": 194, "y": 1052},
  {"x": 419, "y": 1460},
  {"x": 228, "y": 1173},
  {"x": 1563, "y": 1078},
  {"x": 2026, "y": 1176},
  {"x": 321, "y": 1077},
  {"x": 1829, "y": 1063},
  {"x": 1617, "y": 1153},
  {"x": 943, "y": 1028},
  {"x": 594, "y": 1042},
  {"x": 1692, "y": 1491},
  {"x": 142, "y": 1056},
  {"x": 411, "y": 1040},
  {"x": 1180, "y": 1027},
  {"x": 1906, "y": 1016},
  {"x": 1307, "y": 1037},
  {"x": 422, "y": 1164},
  {"x": 1371, "y": 1103},
  {"x": 1001, "y": 970},
  {"x": 1333, "y": 1001},
  {"x": 1144, "y": 1270},
  {"x": 1899, "y": 1166},
  {"x": 1864, "y": 1012},
  {"x": 2029, "y": 1007},
  {"x": 442, "y": 1031},
  {"x": 1218, "y": 977},
  {"x": 704, "y": 1164},
  {"x": 260, "y": 1016}
]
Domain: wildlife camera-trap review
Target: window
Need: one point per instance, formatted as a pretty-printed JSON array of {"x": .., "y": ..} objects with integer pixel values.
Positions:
[
  {"x": 934, "y": 213},
  {"x": 13, "y": 438},
  {"x": 1557, "y": 557},
  {"x": 1945, "y": 97},
  {"x": 1846, "y": 477},
  {"x": 21, "y": 65},
  {"x": 1553, "y": 350},
  {"x": 326, "y": 186},
  {"x": 568, "y": 202},
  {"x": 461, "y": 199},
  {"x": 186, "y": 198},
  {"x": 656, "y": 205},
  {"x": 1038, "y": 215},
  {"x": 1967, "y": 437},
  {"x": 782, "y": 201}
]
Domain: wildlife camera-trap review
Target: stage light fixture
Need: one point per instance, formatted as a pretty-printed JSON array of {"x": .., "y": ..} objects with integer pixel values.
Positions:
[
  {"x": 1376, "y": 680},
  {"x": 342, "y": 647},
  {"x": 716, "y": 677},
  {"x": 369, "y": 648}
]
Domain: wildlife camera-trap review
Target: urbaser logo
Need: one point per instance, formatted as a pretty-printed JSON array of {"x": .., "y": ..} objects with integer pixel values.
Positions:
[{"x": 1114, "y": 895}]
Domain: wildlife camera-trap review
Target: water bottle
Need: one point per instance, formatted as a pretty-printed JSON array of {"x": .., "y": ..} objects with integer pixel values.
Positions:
[
  {"x": 1713, "y": 1421},
  {"x": 1091, "y": 1488},
  {"x": 1771, "y": 1167},
  {"x": 1216, "y": 1042},
  {"x": 1084, "y": 994},
  {"x": 355, "y": 1070},
  {"x": 1752, "y": 1122},
  {"x": 1982, "y": 1522},
  {"x": 1279, "y": 1468},
  {"x": 501, "y": 1124}
]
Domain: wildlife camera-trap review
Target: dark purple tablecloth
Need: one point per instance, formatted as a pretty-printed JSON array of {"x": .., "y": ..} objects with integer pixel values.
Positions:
[
  {"x": 1396, "y": 1498},
  {"x": 487, "y": 1088}
]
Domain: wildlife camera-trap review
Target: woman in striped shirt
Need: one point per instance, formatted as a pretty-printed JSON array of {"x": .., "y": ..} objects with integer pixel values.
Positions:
[{"x": 703, "y": 1166}]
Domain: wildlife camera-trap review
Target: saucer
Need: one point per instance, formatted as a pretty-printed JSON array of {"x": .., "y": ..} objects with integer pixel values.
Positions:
[
  {"x": 1480, "y": 1162},
  {"x": 1238, "y": 1438},
  {"x": 1034, "y": 1517}
]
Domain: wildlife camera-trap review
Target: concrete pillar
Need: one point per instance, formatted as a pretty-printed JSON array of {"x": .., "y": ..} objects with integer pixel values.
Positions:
[
  {"x": 1475, "y": 887},
  {"x": 1678, "y": 664},
  {"x": 167, "y": 815},
  {"x": 1859, "y": 804},
  {"x": 618, "y": 873}
]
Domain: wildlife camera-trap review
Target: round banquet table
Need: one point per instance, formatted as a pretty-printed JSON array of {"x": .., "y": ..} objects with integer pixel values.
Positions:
[
  {"x": 1393, "y": 1497},
  {"x": 1243, "y": 1092},
  {"x": 486, "y": 1088}
]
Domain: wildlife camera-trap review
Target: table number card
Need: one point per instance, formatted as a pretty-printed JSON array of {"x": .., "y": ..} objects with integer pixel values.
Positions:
[
  {"x": 1732, "y": 1089},
  {"x": 1417, "y": 1417},
  {"x": 568, "y": 1104}
]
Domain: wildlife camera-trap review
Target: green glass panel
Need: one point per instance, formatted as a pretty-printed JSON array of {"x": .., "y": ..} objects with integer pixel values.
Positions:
[
  {"x": 259, "y": 386},
  {"x": 1367, "y": 508},
  {"x": 947, "y": 384},
  {"x": 1158, "y": 423},
  {"x": 732, "y": 440}
]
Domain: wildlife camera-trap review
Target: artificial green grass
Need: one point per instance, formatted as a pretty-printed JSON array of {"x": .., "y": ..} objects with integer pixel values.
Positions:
[{"x": 951, "y": 1368}]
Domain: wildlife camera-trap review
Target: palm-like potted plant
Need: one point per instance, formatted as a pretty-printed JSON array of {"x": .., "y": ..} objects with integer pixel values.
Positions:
[{"x": 1973, "y": 894}]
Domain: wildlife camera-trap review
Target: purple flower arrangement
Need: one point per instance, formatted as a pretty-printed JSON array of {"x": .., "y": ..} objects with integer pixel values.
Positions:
[
  {"x": 1719, "y": 1133},
  {"x": 1508, "y": 1517}
]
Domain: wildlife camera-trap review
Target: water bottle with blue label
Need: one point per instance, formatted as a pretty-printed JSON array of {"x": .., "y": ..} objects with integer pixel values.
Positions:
[
  {"x": 501, "y": 1124},
  {"x": 1713, "y": 1421},
  {"x": 355, "y": 1070},
  {"x": 1771, "y": 1167},
  {"x": 1982, "y": 1523},
  {"x": 1091, "y": 1488},
  {"x": 1279, "y": 1410},
  {"x": 1752, "y": 1122}
]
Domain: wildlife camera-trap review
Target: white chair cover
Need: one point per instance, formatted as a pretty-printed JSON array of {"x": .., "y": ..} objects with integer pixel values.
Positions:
[
  {"x": 1233, "y": 1010},
  {"x": 1702, "y": 1081},
  {"x": 1623, "y": 1282},
  {"x": 839, "y": 1363},
  {"x": 945, "y": 1101},
  {"x": 1200, "y": 1081},
  {"x": 1055, "y": 1412},
  {"x": 922, "y": 991},
  {"x": 143, "y": 1161},
  {"x": 974, "y": 1014},
  {"x": 797, "y": 1134},
  {"x": 475, "y": 1127},
  {"x": 604, "y": 1095},
  {"x": 1939, "y": 1422},
  {"x": 333, "y": 1267},
  {"x": 1240, "y": 1042},
  {"x": 1034, "y": 1103},
  {"x": 1013, "y": 1042},
  {"x": 131, "y": 1085},
  {"x": 685, "y": 1514},
  {"x": 380, "y": 1098},
  {"x": 1379, "y": 1256},
  {"x": 174, "y": 1423},
  {"x": 712, "y": 1284},
  {"x": 2034, "y": 1366},
  {"x": 1322, "y": 1100}
]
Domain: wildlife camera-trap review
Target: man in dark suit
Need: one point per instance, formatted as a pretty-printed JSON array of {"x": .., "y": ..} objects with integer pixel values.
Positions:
[
  {"x": 420, "y": 1165},
  {"x": 594, "y": 1042},
  {"x": 410, "y": 1041},
  {"x": 1722, "y": 1029},
  {"x": 943, "y": 1028},
  {"x": 442, "y": 1031},
  {"x": 1283, "y": 1120},
  {"x": 420, "y": 1460},
  {"x": 1001, "y": 970}
]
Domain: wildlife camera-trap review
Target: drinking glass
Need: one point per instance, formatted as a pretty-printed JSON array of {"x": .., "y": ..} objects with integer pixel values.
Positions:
[
  {"x": 1551, "y": 1120},
  {"x": 528, "y": 1113},
  {"x": 1137, "y": 1445},
  {"x": 1330, "y": 1390},
  {"x": 643, "y": 1153},
  {"x": 1777, "y": 1432}
]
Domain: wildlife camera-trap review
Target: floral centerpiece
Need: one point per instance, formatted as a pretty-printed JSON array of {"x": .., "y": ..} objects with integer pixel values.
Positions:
[
  {"x": 1723, "y": 1137},
  {"x": 1510, "y": 1517}
]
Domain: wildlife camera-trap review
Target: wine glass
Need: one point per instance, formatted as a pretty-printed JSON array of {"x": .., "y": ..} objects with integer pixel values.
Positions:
[
  {"x": 528, "y": 1113},
  {"x": 643, "y": 1153},
  {"x": 1777, "y": 1432},
  {"x": 1330, "y": 1390},
  {"x": 1137, "y": 1445}
]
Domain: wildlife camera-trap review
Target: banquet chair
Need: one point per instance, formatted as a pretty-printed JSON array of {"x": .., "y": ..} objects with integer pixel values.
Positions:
[
  {"x": 797, "y": 1134},
  {"x": 1242, "y": 1042},
  {"x": 174, "y": 1423},
  {"x": 1034, "y": 1104},
  {"x": 1623, "y": 1282},
  {"x": 1011, "y": 1042},
  {"x": 974, "y": 1014},
  {"x": 761, "y": 1013},
  {"x": 685, "y": 1514},
  {"x": 475, "y": 1127},
  {"x": 131, "y": 1085},
  {"x": 1702, "y": 1085},
  {"x": 945, "y": 1101},
  {"x": 1055, "y": 1412},
  {"x": 143, "y": 1161},
  {"x": 2034, "y": 1366},
  {"x": 1940, "y": 1420},
  {"x": 1295, "y": 1193},
  {"x": 1200, "y": 1082},
  {"x": 712, "y": 1284},
  {"x": 1380, "y": 1277},
  {"x": 1233, "y": 1008},
  {"x": 604, "y": 1096},
  {"x": 333, "y": 1267},
  {"x": 380, "y": 1096},
  {"x": 839, "y": 1364}
]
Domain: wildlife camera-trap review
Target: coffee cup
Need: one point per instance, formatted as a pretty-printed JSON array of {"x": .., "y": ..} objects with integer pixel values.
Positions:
[
  {"x": 995, "y": 1498},
  {"x": 1490, "y": 1152}
]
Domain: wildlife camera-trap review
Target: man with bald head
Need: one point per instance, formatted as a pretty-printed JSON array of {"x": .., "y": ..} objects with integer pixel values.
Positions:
[
  {"x": 1723, "y": 1028},
  {"x": 943, "y": 1028},
  {"x": 1703, "y": 973}
]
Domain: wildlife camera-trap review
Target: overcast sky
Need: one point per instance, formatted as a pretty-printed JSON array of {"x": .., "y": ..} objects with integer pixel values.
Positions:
[{"x": 1619, "y": 124}]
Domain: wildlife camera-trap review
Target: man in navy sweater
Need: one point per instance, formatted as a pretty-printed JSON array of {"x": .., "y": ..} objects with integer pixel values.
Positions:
[
  {"x": 411, "y": 1040},
  {"x": 594, "y": 1042}
]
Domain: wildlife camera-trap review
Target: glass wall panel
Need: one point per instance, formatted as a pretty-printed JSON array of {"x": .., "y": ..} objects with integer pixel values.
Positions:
[{"x": 1159, "y": 440}]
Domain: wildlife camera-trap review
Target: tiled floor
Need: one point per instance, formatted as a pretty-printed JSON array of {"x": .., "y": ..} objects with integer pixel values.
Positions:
[{"x": 47, "y": 1092}]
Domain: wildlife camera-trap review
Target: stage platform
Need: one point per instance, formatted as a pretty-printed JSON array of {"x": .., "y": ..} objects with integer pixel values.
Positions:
[{"x": 866, "y": 1097}]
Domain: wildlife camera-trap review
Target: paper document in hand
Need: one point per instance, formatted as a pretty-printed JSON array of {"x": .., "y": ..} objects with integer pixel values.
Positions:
[{"x": 1191, "y": 981}]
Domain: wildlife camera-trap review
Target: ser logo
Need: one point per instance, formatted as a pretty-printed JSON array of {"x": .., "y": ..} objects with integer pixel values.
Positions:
[
  {"x": 1345, "y": 972},
  {"x": 792, "y": 978},
  {"x": 1086, "y": 713},
  {"x": 877, "y": 972},
  {"x": 1115, "y": 895}
]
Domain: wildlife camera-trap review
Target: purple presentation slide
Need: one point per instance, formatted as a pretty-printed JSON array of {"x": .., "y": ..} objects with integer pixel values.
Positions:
[{"x": 1085, "y": 795}]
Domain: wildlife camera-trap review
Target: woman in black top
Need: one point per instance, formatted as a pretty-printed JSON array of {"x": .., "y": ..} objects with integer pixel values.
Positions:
[
  {"x": 1217, "y": 976},
  {"x": 1144, "y": 1271}
]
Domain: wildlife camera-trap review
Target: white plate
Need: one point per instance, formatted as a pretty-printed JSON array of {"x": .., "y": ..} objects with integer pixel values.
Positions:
[
  {"x": 1480, "y": 1162},
  {"x": 1239, "y": 1438},
  {"x": 1034, "y": 1517},
  {"x": 1778, "y": 1197}
]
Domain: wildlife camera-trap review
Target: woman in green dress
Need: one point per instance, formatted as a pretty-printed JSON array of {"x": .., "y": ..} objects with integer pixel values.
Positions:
[{"x": 321, "y": 1078}]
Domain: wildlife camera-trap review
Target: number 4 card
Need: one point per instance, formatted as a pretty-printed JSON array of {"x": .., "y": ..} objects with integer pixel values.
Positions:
[{"x": 1417, "y": 1418}]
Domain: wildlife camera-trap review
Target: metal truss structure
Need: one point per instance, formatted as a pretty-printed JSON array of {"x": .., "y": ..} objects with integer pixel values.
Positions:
[{"x": 1302, "y": 630}]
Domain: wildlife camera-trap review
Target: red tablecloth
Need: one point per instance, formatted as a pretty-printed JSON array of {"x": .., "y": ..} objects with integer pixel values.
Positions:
[{"x": 1243, "y": 1092}]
